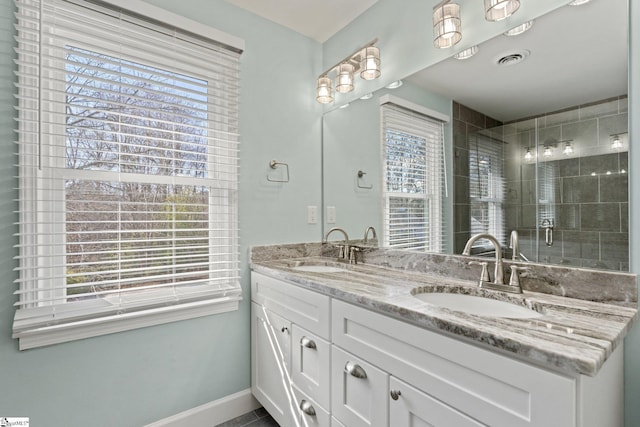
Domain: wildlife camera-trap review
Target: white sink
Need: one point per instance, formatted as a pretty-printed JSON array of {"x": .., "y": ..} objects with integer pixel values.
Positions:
[
  {"x": 478, "y": 305},
  {"x": 318, "y": 269}
]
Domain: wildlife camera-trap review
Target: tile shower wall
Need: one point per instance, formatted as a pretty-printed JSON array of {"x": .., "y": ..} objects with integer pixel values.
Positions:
[
  {"x": 585, "y": 192},
  {"x": 466, "y": 122}
]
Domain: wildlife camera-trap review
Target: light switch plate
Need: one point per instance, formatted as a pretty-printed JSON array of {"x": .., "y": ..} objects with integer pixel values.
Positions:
[{"x": 331, "y": 214}]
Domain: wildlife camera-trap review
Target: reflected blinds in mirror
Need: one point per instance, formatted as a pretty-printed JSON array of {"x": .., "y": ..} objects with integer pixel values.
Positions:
[
  {"x": 486, "y": 187},
  {"x": 414, "y": 180}
]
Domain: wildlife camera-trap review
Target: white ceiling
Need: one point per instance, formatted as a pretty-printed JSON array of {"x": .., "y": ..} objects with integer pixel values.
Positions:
[
  {"x": 578, "y": 55},
  {"x": 316, "y": 19}
]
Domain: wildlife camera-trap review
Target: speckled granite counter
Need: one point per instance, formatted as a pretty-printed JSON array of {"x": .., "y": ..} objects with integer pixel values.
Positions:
[{"x": 573, "y": 335}]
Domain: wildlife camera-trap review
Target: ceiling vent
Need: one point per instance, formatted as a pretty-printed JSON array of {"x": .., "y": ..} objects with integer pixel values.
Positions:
[{"x": 512, "y": 58}]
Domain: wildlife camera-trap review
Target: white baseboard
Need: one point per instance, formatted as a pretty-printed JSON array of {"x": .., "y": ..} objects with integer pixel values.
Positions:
[{"x": 212, "y": 413}]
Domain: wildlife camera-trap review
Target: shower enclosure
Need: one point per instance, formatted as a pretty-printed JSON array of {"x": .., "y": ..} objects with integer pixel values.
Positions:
[{"x": 560, "y": 180}]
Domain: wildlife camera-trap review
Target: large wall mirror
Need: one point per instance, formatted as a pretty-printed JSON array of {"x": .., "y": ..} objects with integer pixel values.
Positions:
[{"x": 536, "y": 141}]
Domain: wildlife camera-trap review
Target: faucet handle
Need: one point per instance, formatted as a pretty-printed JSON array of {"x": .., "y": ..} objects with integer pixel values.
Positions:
[
  {"x": 484, "y": 276},
  {"x": 514, "y": 280}
]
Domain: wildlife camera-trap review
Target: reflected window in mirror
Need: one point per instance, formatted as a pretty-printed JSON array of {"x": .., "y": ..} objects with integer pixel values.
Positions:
[
  {"x": 414, "y": 180},
  {"x": 486, "y": 187}
]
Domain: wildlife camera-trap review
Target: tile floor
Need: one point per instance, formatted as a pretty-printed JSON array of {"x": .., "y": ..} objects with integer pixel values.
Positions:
[{"x": 258, "y": 418}]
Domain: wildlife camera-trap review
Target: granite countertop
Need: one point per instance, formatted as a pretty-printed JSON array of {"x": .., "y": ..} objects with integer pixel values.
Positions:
[{"x": 573, "y": 336}]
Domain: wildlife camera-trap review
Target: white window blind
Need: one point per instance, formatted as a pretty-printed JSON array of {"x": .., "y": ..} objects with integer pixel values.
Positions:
[
  {"x": 128, "y": 159},
  {"x": 414, "y": 180},
  {"x": 486, "y": 187}
]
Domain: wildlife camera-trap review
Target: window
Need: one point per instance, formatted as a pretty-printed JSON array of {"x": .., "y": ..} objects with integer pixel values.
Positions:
[
  {"x": 486, "y": 187},
  {"x": 128, "y": 156},
  {"x": 414, "y": 177}
]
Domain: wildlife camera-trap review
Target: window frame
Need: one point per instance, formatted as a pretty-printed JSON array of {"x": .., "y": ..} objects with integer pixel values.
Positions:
[
  {"x": 435, "y": 190},
  {"x": 95, "y": 317}
]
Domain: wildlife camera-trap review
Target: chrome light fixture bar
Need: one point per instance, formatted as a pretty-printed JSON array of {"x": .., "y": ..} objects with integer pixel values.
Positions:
[
  {"x": 497, "y": 10},
  {"x": 365, "y": 60},
  {"x": 447, "y": 25}
]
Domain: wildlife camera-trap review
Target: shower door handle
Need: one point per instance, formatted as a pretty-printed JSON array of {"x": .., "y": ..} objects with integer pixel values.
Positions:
[{"x": 547, "y": 224}]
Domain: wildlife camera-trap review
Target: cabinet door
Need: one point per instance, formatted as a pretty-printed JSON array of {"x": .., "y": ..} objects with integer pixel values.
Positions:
[
  {"x": 410, "y": 407},
  {"x": 270, "y": 363},
  {"x": 310, "y": 362},
  {"x": 358, "y": 391}
]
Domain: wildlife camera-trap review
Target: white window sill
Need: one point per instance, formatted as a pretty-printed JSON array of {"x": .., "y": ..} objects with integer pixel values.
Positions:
[{"x": 55, "y": 334}]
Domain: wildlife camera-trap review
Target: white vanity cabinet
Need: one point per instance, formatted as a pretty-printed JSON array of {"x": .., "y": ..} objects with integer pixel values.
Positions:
[
  {"x": 350, "y": 366},
  {"x": 290, "y": 352}
]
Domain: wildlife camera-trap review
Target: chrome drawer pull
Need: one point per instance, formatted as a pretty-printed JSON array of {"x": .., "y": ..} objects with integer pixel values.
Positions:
[
  {"x": 395, "y": 394},
  {"x": 306, "y": 342},
  {"x": 307, "y": 408},
  {"x": 355, "y": 370}
]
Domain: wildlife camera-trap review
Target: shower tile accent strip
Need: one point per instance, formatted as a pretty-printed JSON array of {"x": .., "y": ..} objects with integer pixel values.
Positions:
[{"x": 576, "y": 334}]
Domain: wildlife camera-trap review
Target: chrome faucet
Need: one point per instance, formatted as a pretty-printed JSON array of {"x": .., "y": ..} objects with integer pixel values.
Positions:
[
  {"x": 366, "y": 234},
  {"x": 344, "y": 249},
  {"x": 498, "y": 273},
  {"x": 498, "y": 283}
]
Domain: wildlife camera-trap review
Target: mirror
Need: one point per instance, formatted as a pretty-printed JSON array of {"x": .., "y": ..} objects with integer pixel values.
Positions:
[{"x": 570, "y": 89}]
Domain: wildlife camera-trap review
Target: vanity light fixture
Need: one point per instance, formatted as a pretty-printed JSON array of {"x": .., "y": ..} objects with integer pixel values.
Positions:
[
  {"x": 528, "y": 156},
  {"x": 370, "y": 63},
  {"x": 568, "y": 148},
  {"x": 519, "y": 29},
  {"x": 467, "y": 53},
  {"x": 367, "y": 96},
  {"x": 365, "y": 60},
  {"x": 616, "y": 142},
  {"x": 324, "y": 91},
  {"x": 547, "y": 151},
  {"x": 344, "y": 78},
  {"x": 497, "y": 10},
  {"x": 447, "y": 26}
]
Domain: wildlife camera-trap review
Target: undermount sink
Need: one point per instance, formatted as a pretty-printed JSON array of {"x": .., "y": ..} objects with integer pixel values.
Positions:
[
  {"x": 480, "y": 306},
  {"x": 317, "y": 267}
]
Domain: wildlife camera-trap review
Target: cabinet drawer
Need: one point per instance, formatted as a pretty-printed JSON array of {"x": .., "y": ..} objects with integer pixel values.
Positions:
[
  {"x": 491, "y": 388},
  {"x": 310, "y": 365},
  {"x": 358, "y": 391},
  {"x": 411, "y": 407},
  {"x": 311, "y": 413},
  {"x": 303, "y": 307}
]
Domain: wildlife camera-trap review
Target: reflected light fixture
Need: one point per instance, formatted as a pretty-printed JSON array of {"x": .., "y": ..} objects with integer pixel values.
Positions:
[
  {"x": 394, "y": 85},
  {"x": 568, "y": 148},
  {"x": 467, "y": 53},
  {"x": 497, "y": 10},
  {"x": 547, "y": 151},
  {"x": 579, "y": 2},
  {"x": 447, "y": 26},
  {"x": 365, "y": 60},
  {"x": 616, "y": 142},
  {"x": 528, "y": 156},
  {"x": 519, "y": 29}
]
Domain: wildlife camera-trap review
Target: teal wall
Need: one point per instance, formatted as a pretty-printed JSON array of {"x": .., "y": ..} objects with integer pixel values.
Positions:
[{"x": 133, "y": 378}]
